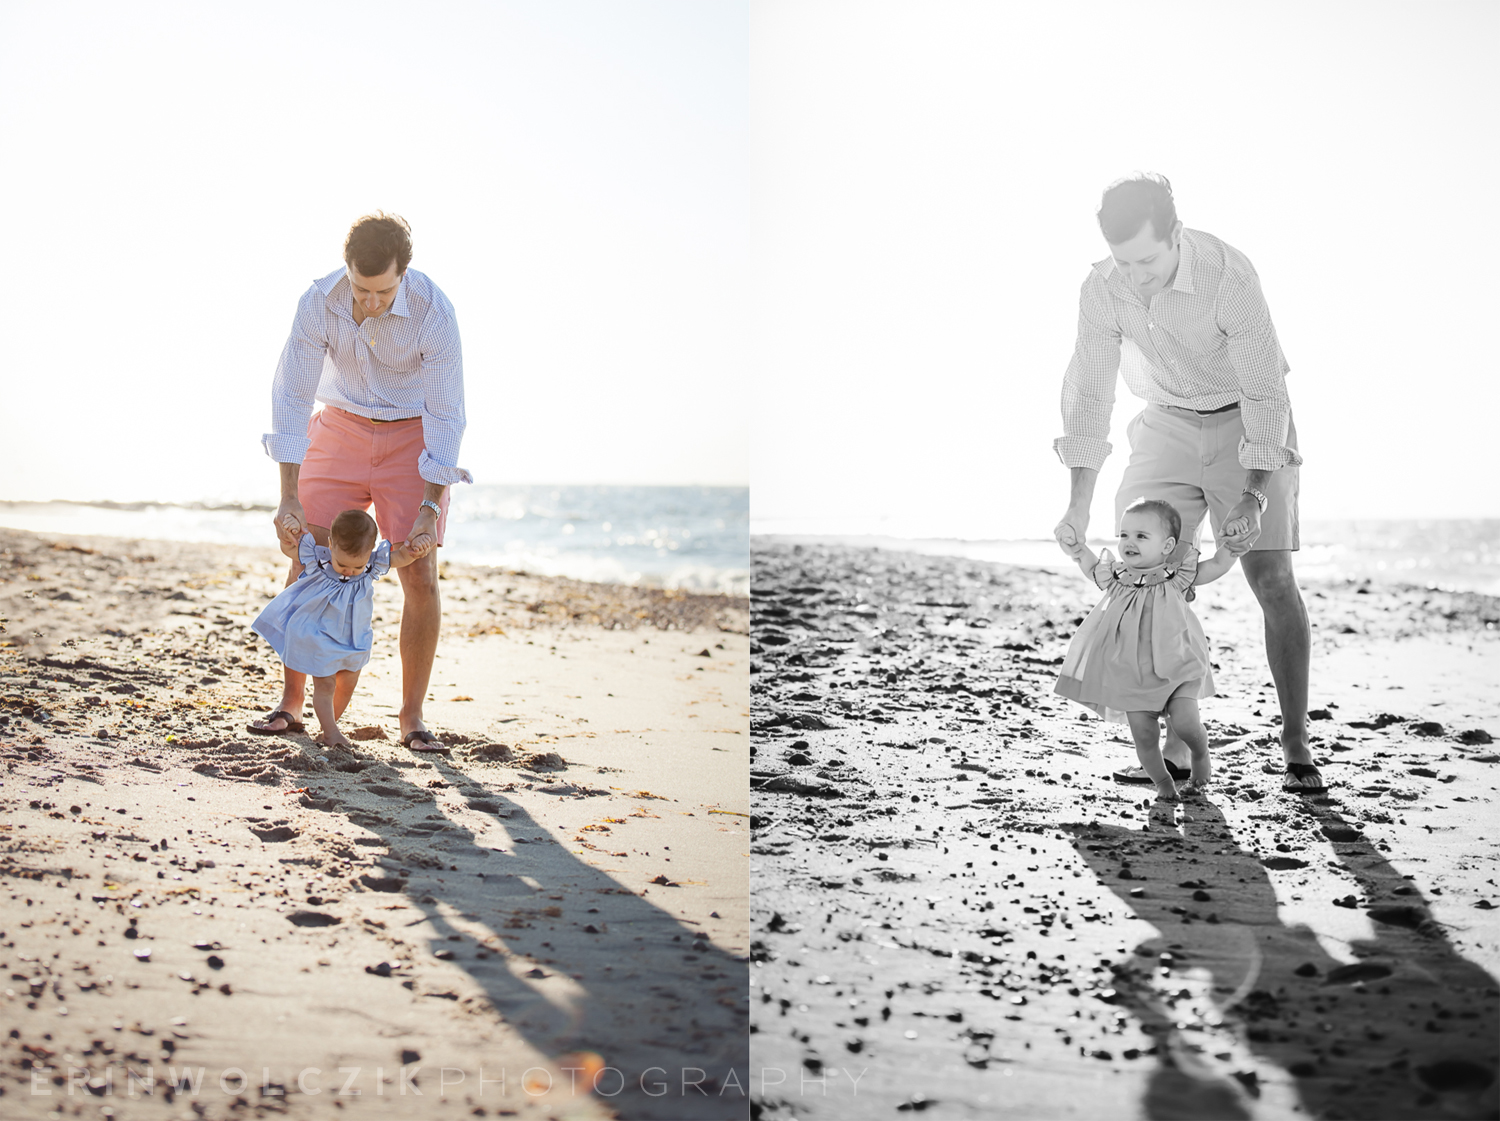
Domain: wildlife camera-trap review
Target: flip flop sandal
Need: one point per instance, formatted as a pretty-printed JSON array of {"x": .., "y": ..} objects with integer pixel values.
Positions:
[
  {"x": 1139, "y": 776},
  {"x": 1297, "y": 779},
  {"x": 292, "y": 724},
  {"x": 428, "y": 742}
]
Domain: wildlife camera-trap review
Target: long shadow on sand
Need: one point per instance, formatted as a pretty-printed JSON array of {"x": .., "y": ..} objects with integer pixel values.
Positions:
[
  {"x": 1409, "y": 1029},
  {"x": 645, "y": 993}
]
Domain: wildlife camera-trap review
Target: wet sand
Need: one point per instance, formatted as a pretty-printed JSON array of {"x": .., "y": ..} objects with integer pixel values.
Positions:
[
  {"x": 245, "y": 925},
  {"x": 957, "y": 911}
]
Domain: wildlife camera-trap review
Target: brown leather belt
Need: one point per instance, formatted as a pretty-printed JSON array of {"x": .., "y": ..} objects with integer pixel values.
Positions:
[{"x": 1214, "y": 412}]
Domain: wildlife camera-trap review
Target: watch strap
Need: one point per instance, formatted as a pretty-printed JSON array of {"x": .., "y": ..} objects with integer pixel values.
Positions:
[{"x": 1260, "y": 499}]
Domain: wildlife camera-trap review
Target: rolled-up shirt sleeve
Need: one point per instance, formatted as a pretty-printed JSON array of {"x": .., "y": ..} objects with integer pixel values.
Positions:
[
  {"x": 1255, "y": 353},
  {"x": 1088, "y": 393},
  {"x": 296, "y": 381},
  {"x": 443, "y": 419}
]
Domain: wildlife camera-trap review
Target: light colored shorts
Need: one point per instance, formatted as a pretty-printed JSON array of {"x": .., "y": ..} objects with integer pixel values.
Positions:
[
  {"x": 354, "y": 462},
  {"x": 1193, "y": 462}
]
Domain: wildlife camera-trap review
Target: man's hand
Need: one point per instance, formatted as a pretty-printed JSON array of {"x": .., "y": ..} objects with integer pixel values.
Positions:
[
  {"x": 1242, "y": 526},
  {"x": 290, "y": 521},
  {"x": 1072, "y": 531},
  {"x": 425, "y": 525}
]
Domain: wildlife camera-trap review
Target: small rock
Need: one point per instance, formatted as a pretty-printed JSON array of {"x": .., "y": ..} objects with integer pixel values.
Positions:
[
  {"x": 381, "y": 970},
  {"x": 215, "y": 961},
  {"x": 493, "y": 752},
  {"x": 1306, "y": 969},
  {"x": 275, "y": 834},
  {"x": 313, "y": 918}
]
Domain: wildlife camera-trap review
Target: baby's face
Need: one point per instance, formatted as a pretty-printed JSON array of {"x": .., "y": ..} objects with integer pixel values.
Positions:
[
  {"x": 1143, "y": 540},
  {"x": 348, "y": 564}
]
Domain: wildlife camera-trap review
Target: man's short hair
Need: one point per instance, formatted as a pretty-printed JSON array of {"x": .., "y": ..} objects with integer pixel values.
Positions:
[
  {"x": 1129, "y": 203},
  {"x": 354, "y": 532},
  {"x": 375, "y": 241},
  {"x": 1166, "y": 513}
]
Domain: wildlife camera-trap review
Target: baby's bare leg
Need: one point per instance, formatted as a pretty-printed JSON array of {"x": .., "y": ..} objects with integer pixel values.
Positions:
[
  {"x": 343, "y": 688},
  {"x": 324, "y": 689},
  {"x": 1147, "y": 734},
  {"x": 1183, "y": 719}
]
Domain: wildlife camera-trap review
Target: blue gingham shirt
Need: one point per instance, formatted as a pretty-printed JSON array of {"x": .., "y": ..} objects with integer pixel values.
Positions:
[
  {"x": 1206, "y": 342},
  {"x": 406, "y": 362}
]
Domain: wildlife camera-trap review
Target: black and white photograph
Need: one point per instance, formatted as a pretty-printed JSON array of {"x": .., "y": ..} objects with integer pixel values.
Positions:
[{"x": 1124, "y": 561}]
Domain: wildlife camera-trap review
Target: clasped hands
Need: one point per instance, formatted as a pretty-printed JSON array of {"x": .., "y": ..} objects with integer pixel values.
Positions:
[{"x": 1236, "y": 535}]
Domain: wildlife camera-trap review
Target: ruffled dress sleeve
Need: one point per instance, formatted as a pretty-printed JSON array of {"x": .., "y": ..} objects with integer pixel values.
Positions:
[
  {"x": 380, "y": 560},
  {"x": 1104, "y": 571},
  {"x": 1187, "y": 572},
  {"x": 307, "y": 554}
]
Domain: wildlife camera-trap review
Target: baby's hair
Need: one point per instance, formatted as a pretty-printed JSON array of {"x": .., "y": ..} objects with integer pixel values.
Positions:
[
  {"x": 353, "y": 531},
  {"x": 1171, "y": 520}
]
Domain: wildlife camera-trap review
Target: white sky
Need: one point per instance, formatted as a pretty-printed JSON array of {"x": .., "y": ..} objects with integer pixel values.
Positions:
[
  {"x": 177, "y": 174},
  {"x": 926, "y": 181}
]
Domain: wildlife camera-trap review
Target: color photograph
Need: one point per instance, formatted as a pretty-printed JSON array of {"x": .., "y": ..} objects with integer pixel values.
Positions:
[{"x": 374, "y": 563}]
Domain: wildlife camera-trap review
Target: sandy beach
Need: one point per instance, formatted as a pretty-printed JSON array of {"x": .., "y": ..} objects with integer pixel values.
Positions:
[
  {"x": 957, "y": 911},
  {"x": 550, "y": 920}
]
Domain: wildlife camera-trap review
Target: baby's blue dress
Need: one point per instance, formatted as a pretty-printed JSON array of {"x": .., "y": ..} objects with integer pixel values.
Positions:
[{"x": 323, "y": 623}]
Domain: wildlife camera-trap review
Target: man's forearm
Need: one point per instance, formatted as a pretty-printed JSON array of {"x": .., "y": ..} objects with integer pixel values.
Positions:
[
  {"x": 289, "y": 475},
  {"x": 433, "y": 492},
  {"x": 1082, "y": 496},
  {"x": 1258, "y": 480}
]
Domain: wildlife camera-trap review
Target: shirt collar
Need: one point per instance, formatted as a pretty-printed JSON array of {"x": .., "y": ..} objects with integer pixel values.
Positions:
[
  {"x": 339, "y": 295},
  {"x": 1187, "y": 254}
]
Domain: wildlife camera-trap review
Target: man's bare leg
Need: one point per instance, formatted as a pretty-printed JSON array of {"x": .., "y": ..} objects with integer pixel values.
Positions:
[
  {"x": 293, "y": 684},
  {"x": 421, "y": 619},
  {"x": 1288, "y": 643}
]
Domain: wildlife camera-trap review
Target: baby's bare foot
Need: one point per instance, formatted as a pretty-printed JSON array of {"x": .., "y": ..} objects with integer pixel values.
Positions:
[
  {"x": 1167, "y": 791},
  {"x": 1194, "y": 788}
]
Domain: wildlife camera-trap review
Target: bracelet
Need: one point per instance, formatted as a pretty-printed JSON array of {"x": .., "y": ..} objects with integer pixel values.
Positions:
[
  {"x": 1260, "y": 499},
  {"x": 438, "y": 510}
]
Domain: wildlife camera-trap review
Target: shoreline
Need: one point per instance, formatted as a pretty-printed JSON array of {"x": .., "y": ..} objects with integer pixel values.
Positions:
[
  {"x": 955, "y": 908},
  {"x": 561, "y": 897}
]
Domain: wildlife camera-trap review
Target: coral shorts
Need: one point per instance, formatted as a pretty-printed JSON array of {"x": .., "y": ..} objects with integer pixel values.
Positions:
[{"x": 355, "y": 462}]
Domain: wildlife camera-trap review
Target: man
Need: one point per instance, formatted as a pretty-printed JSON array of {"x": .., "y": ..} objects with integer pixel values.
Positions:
[
  {"x": 378, "y": 345},
  {"x": 1181, "y": 315}
]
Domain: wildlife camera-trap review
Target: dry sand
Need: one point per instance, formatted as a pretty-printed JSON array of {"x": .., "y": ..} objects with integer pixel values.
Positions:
[
  {"x": 956, "y": 911},
  {"x": 220, "y": 915}
]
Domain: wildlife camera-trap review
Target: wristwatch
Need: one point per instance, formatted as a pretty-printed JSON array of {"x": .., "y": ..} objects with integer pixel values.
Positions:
[
  {"x": 438, "y": 510},
  {"x": 1260, "y": 499}
]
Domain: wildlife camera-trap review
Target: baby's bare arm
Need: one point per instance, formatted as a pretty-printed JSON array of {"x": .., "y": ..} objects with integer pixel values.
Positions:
[
  {"x": 404, "y": 554},
  {"x": 1218, "y": 564}
]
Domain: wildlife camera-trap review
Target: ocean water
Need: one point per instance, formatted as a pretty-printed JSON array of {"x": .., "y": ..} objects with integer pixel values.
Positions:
[
  {"x": 1454, "y": 554},
  {"x": 692, "y": 538}
]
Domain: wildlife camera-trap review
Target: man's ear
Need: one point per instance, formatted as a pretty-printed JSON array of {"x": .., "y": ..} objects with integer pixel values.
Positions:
[{"x": 1177, "y": 234}]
